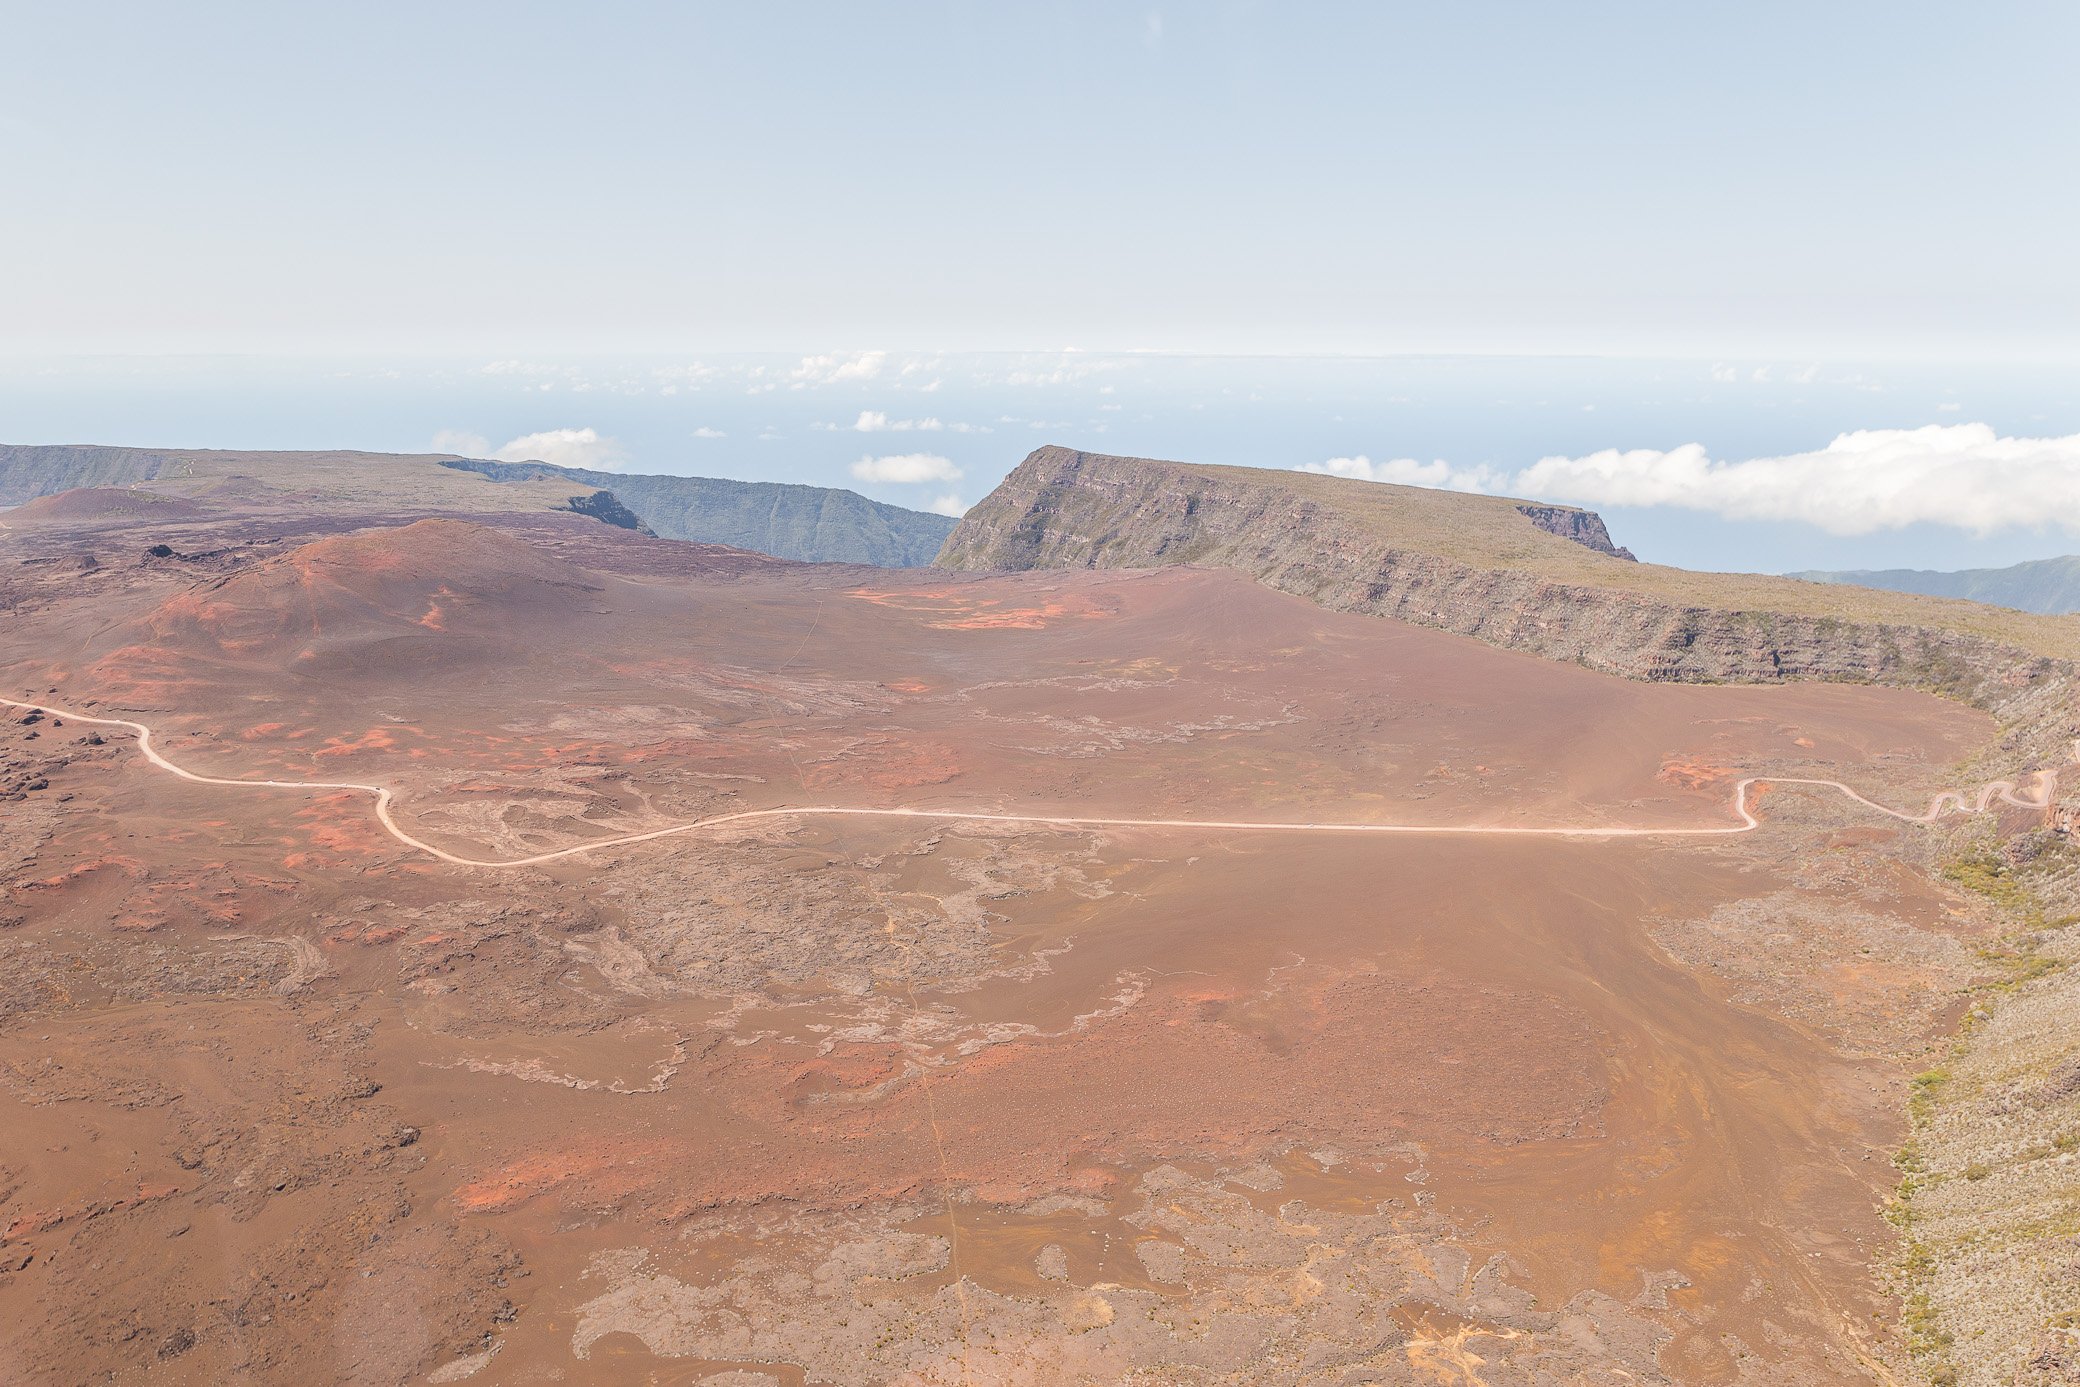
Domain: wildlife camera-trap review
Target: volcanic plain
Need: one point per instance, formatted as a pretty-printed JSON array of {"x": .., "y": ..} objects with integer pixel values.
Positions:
[{"x": 837, "y": 1099}]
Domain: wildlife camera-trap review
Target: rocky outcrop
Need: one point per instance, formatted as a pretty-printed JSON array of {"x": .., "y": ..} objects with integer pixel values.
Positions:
[
  {"x": 1503, "y": 572},
  {"x": 1584, "y": 527},
  {"x": 606, "y": 507}
]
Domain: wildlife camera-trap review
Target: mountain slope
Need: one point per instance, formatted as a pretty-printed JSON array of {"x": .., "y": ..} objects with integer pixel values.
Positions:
[
  {"x": 304, "y": 482},
  {"x": 812, "y": 523},
  {"x": 336, "y": 600},
  {"x": 1483, "y": 566},
  {"x": 2047, "y": 586},
  {"x": 28, "y": 471}
]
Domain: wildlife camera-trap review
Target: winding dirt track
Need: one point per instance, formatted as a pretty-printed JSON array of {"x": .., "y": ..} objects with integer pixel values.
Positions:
[{"x": 1946, "y": 802}]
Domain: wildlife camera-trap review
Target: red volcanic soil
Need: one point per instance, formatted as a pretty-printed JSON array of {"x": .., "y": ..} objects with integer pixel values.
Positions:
[
  {"x": 102, "y": 505},
  {"x": 868, "y": 1101},
  {"x": 337, "y": 598}
]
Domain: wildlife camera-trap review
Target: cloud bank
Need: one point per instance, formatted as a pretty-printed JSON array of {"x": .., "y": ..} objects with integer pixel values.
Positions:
[
  {"x": 1965, "y": 476},
  {"x": 878, "y": 421},
  {"x": 1961, "y": 475},
  {"x": 906, "y": 467},
  {"x": 874, "y": 421},
  {"x": 586, "y": 448},
  {"x": 565, "y": 448},
  {"x": 1409, "y": 472},
  {"x": 830, "y": 369}
]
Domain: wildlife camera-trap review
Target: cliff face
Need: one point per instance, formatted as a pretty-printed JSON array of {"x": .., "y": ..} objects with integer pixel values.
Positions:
[
  {"x": 1545, "y": 580},
  {"x": 812, "y": 523},
  {"x": 1584, "y": 527},
  {"x": 605, "y": 506},
  {"x": 28, "y": 471}
]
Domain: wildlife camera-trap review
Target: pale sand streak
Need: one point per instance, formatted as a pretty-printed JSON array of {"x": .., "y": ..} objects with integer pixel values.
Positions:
[{"x": 1949, "y": 801}]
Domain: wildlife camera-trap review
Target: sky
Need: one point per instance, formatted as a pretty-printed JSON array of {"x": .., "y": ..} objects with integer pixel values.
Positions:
[{"x": 1368, "y": 238}]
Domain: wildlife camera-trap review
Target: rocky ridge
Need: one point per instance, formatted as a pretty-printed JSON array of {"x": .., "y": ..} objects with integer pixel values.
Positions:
[{"x": 1546, "y": 580}]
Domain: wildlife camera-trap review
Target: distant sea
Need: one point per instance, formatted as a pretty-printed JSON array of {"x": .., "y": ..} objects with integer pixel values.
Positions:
[{"x": 814, "y": 417}]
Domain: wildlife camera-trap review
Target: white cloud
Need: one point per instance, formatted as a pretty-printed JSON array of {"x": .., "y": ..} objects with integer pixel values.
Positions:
[
  {"x": 874, "y": 421},
  {"x": 906, "y": 467},
  {"x": 1960, "y": 475},
  {"x": 827, "y": 370},
  {"x": 705, "y": 432},
  {"x": 949, "y": 504},
  {"x": 1409, "y": 472},
  {"x": 1725, "y": 374},
  {"x": 1949, "y": 407},
  {"x": 467, "y": 444},
  {"x": 565, "y": 448}
]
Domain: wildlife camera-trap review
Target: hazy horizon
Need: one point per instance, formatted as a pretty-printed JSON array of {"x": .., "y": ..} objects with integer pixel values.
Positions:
[{"x": 936, "y": 431}]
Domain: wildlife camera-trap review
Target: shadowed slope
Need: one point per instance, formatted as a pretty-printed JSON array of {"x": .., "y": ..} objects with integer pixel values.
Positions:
[{"x": 814, "y": 524}]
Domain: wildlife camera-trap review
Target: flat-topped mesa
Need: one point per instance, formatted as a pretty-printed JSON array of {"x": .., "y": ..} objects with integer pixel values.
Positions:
[
  {"x": 1063, "y": 508},
  {"x": 1524, "y": 575}
]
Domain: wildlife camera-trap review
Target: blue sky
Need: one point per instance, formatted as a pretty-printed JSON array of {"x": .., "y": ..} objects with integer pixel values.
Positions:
[
  {"x": 1853, "y": 179},
  {"x": 1381, "y": 238}
]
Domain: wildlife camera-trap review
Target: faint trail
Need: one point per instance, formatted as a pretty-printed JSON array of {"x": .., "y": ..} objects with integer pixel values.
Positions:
[{"x": 1946, "y": 802}]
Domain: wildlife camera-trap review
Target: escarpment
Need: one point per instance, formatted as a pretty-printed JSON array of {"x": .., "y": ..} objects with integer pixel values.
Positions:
[
  {"x": 1542, "y": 579},
  {"x": 1582, "y": 526}
]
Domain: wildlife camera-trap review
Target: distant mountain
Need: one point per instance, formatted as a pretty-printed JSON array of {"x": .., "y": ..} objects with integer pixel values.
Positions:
[
  {"x": 815, "y": 523},
  {"x": 811, "y": 523},
  {"x": 2047, "y": 586}
]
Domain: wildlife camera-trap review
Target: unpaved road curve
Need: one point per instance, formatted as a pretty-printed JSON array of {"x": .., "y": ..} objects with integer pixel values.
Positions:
[{"x": 1947, "y": 802}]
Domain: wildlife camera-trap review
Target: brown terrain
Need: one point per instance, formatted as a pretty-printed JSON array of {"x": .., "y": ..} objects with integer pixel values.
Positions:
[{"x": 818, "y": 1098}]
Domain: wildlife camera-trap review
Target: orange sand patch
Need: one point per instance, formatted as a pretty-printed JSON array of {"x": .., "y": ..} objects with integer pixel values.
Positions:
[
  {"x": 605, "y": 1171},
  {"x": 375, "y": 739},
  {"x": 435, "y": 620},
  {"x": 960, "y": 611},
  {"x": 332, "y": 824},
  {"x": 1691, "y": 775},
  {"x": 128, "y": 866},
  {"x": 366, "y": 935}
]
